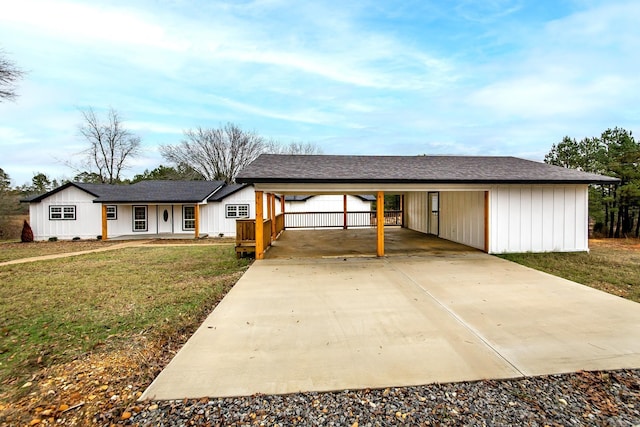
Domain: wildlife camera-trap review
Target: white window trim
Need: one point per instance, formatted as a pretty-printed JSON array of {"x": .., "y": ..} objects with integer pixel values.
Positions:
[
  {"x": 114, "y": 215},
  {"x": 146, "y": 219},
  {"x": 62, "y": 212},
  {"x": 184, "y": 218},
  {"x": 235, "y": 208}
]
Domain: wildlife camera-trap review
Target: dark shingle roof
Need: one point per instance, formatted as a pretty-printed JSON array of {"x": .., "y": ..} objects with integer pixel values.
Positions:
[
  {"x": 409, "y": 169},
  {"x": 161, "y": 192},
  {"x": 143, "y": 191},
  {"x": 225, "y": 191}
]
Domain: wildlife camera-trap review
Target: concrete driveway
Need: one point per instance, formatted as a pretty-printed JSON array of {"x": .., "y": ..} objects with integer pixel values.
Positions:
[{"x": 310, "y": 324}]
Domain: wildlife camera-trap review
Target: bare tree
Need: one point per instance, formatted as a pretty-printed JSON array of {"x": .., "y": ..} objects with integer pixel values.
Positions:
[
  {"x": 9, "y": 75},
  {"x": 111, "y": 146},
  {"x": 273, "y": 147},
  {"x": 217, "y": 154}
]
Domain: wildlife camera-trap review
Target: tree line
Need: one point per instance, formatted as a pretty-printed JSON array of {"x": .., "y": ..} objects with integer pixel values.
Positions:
[{"x": 614, "y": 208}]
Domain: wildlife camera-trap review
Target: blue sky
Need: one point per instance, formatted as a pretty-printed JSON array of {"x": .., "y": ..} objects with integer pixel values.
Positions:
[{"x": 495, "y": 77}]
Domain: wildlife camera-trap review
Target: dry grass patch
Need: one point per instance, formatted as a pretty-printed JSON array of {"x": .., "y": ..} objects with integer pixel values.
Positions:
[{"x": 613, "y": 265}]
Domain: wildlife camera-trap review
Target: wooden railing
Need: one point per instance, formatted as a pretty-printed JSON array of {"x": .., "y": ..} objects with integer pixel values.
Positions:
[
  {"x": 279, "y": 223},
  {"x": 336, "y": 219},
  {"x": 246, "y": 235},
  {"x": 266, "y": 235}
]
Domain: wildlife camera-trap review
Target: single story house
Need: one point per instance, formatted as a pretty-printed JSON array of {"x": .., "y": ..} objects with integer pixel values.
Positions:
[
  {"x": 160, "y": 208},
  {"x": 496, "y": 204}
]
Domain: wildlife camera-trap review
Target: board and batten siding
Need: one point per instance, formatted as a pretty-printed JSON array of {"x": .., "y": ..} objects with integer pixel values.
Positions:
[
  {"x": 539, "y": 218},
  {"x": 87, "y": 224},
  {"x": 416, "y": 211},
  {"x": 214, "y": 218},
  {"x": 462, "y": 217}
]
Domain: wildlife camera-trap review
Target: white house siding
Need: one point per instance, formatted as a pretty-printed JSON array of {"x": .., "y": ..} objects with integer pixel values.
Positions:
[
  {"x": 155, "y": 221},
  {"x": 416, "y": 211},
  {"x": 462, "y": 217},
  {"x": 215, "y": 221},
  {"x": 538, "y": 218},
  {"x": 87, "y": 224},
  {"x": 328, "y": 203}
]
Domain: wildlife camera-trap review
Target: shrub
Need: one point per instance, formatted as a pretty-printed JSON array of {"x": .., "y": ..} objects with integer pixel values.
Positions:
[
  {"x": 27, "y": 233},
  {"x": 53, "y": 239},
  {"x": 75, "y": 239}
]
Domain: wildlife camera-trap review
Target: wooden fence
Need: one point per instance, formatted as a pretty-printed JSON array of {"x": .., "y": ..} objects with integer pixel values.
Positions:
[{"x": 246, "y": 235}]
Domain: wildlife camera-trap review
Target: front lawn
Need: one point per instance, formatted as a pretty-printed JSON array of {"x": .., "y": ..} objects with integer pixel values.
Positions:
[{"x": 60, "y": 311}]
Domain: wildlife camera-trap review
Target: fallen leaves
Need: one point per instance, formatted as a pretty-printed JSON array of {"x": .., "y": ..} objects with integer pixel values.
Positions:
[{"x": 100, "y": 388}]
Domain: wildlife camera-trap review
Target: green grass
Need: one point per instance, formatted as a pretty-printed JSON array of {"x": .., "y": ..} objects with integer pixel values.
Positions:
[
  {"x": 610, "y": 266},
  {"x": 54, "y": 311}
]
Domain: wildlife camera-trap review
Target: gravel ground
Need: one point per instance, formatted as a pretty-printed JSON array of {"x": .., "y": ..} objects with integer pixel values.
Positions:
[{"x": 580, "y": 399}]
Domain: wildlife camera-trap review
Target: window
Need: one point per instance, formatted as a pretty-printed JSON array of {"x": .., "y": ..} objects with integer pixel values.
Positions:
[
  {"x": 188, "y": 218},
  {"x": 139, "y": 218},
  {"x": 237, "y": 211},
  {"x": 112, "y": 212},
  {"x": 62, "y": 212}
]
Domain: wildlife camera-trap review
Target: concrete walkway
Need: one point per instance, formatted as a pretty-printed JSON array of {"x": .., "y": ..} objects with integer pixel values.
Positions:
[
  {"x": 70, "y": 254},
  {"x": 309, "y": 324}
]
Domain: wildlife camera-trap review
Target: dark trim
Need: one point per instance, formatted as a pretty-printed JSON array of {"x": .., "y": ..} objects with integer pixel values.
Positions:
[
  {"x": 420, "y": 181},
  {"x": 75, "y": 212},
  {"x": 148, "y": 202},
  {"x": 41, "y": 197},
  {"x": 133, "y": 218},
  {"x": 215, "y": 198}
]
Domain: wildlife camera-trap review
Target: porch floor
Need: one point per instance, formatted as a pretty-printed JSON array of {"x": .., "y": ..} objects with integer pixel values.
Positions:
[{"x": 165, "y": 236}]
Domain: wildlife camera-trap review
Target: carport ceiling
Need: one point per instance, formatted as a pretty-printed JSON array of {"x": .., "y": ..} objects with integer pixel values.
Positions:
[{"x": 361, "y": 174}]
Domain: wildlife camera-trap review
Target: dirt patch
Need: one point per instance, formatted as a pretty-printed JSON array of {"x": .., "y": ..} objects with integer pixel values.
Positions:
[
  {"x": 206, "y": 241},
  {"x": 631, "y": 244},
  {"x": 97, "y": 389}
]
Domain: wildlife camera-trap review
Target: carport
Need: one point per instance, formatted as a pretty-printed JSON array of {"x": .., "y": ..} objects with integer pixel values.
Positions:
[
  {"x": 360, "y": 243},
  {"x": 494, "y": 204}
]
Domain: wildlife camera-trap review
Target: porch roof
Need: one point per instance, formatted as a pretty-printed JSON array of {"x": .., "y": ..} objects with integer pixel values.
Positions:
[
  {"x": 161, "y": 192},
  {"x": 330, "y": 169}
]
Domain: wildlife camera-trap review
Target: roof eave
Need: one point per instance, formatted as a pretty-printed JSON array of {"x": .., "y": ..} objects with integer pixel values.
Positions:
[
  {"x": 150, "y": 202},
  {"x": 425, "y": 181}
]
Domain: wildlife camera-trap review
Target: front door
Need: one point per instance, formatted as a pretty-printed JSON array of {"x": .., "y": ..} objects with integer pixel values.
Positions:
[
  {"x": 434, "y": 211},
  {"x": 165, "y": 219}
]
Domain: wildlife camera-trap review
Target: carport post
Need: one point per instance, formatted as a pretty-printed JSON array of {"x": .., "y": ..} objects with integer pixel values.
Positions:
[
  {"x": 272, "y": 215},
  {"x": 259, "y": 226},
  {"x": 104, "y": 222},
  {"x": 196, "y": 211},
  {"x": 344, "y": 211},
  {"x": 380, "y": 223}
]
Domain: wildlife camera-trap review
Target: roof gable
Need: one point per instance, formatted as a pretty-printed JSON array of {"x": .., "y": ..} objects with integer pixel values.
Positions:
[
  {"x": 279, "y": 168},
  {"x": 95, "y": 190},
  {"x": 226, "y": 191}
]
